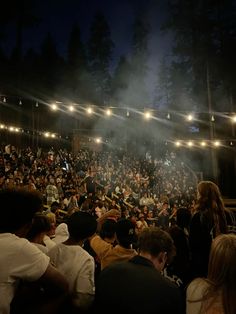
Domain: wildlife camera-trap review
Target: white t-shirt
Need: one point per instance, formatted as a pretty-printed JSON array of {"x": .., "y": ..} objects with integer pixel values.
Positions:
[
  {"x": 19, "y": 259},
  {"x": 77, "y": 265}
]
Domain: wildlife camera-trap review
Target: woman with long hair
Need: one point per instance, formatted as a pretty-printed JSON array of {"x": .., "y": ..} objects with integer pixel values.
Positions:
[
  {"x": 217, "y": 293},
  {"x": 210, "y": 218}
]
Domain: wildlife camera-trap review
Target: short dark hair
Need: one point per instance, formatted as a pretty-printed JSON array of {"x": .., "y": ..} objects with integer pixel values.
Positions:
[
  {"x": 81, "y": 225},
  {"x": 18, "y": 208},
  {"x": 125, "y": 232},
  {"x": 40, "y": 223},
  {"x": 108, "y": 229},
  {"x": 153, "y": 240}
]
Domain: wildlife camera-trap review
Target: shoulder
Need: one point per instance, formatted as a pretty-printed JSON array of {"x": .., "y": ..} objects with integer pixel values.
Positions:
[{"x": 197, "y": 289}]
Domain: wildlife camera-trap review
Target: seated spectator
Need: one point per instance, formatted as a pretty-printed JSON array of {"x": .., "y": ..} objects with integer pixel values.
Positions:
[
  {"x": 141, "y": 223},
  {"x": 39, "y": 229},
  {"x": 137, "y": 286},
  {"x": 216, "y": 293},
  {"x": 107, "y": 253},
  {"x": 20, "y": 260},
  {"x": 74, "y": 262},
  {"x": 108, "y": 231}
]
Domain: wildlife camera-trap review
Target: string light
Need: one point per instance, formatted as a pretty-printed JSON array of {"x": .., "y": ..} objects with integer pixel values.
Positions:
[
  {"x": 189, "y": 117},
  {"x": 98, "y": 140},
  {"x": 71, "y": 108},
  {"x": 234, "y": 118},
  {"x": 89, "y": 110},
  {"x": 177, "y": 143},
  {"x": 203, "y": 144},
  {"x": 212, "y": 118},
  {"x": 147, "y": 115},
  {"x": 108, "y": 112},
  {"x": 54, "y": 107}
]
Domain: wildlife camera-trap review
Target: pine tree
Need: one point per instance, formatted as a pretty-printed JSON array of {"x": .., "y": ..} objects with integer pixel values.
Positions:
[
  {"x": 199, "y": 41},
  {"x": 77, "y": 78},
  {"x": 50, "y": 67},
  {"x": 100, "y": 47},
  {"x": 137, "y": 89}
]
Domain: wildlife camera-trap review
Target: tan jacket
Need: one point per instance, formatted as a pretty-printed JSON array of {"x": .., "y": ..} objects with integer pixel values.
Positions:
[{"x": 108, "y": 254}]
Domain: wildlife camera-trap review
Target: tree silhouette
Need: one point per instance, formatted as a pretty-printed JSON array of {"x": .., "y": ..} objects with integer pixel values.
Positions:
[
  {"x": 100, "y": 47},
  {"x": 138, "y": 95},
  {"x": 78, "y": 78}
]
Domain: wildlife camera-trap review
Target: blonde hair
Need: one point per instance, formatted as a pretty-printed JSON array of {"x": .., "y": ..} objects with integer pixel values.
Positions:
[
  {"x": 222, "y": 271},
  {"x": 220, "y": 289}
]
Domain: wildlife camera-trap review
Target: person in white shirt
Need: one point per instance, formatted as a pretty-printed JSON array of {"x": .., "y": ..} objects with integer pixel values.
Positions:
[
  {"x": 20, "y": 260},
  {"x": 74, "y": 262}
]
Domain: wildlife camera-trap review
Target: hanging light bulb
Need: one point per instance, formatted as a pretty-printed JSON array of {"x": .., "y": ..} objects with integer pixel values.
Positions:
[
  {"x": 4, "y": 99},
  {"x": 212, "y": 118},
  {"x": 127, "y": 113},
  {"x": 168, "y": 116},
  {"x": 20, "y": 102},
  {"x": 37, "y": 104}
]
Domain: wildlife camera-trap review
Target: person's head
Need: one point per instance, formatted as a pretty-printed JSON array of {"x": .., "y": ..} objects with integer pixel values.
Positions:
[
  {"x": 210, "y": 203},
  {"x": 222, "y": 270},
  {"x": 222, "y": 266},
  {"x": 18, "y": 209},
  {"x": 108, "y": 230},
  {"x": 55, "y": 206},
  {"x": 81, "y": 225},
  {"x": 157, "y": 245},
  {"x": 40, "y": 226},
  {"x": 209, "y": 193},
  {"x": 125, "y": 232}
]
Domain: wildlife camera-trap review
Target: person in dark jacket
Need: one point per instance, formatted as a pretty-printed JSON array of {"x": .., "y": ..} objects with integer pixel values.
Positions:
[
  {"x": 210, "y": 219},
  {"x": 137, "y": 286}
]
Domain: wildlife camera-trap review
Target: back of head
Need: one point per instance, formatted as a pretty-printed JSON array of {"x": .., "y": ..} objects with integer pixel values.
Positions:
[
  {"x": 18, "y": 208},
  {"x": 222, "y": 270},
  {"x": 222, "y": 261},
  {"x": 211, "y": 206},
  {"x": 81, "y": 225},
  {"x": 125, "y": 232},
  {"x": 209, "y": 195},
  {"x": 108, "y": 229},
  {"x": 154, "y": 240},
  {"x": 40, "y": 224}
]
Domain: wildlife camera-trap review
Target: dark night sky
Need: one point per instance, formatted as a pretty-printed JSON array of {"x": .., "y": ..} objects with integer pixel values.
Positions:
[{"x": 58, "y": 16}]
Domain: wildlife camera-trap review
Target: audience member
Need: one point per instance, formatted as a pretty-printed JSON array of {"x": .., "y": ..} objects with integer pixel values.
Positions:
[
  {"x": 137, "y": 286},
  {"x": 217, "y": 293},
  {"x": 107, "y": 253},
  {"x": 210, "y": 219},
  {"x": 74, "y": 262},
  {"x": 20, "y": 260}
]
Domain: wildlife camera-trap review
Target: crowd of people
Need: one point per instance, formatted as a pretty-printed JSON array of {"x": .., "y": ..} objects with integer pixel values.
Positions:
[{"x": 110, "y": 232}]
